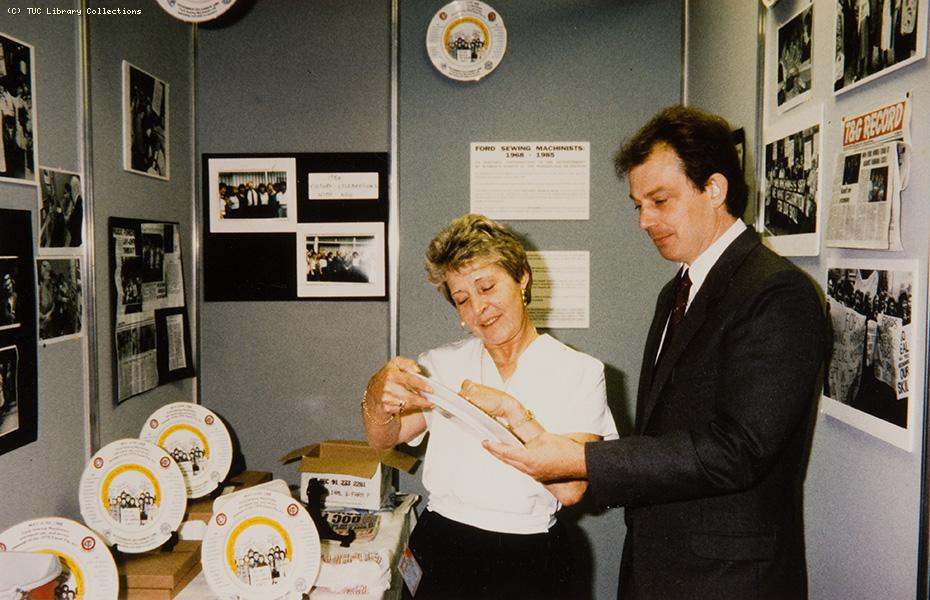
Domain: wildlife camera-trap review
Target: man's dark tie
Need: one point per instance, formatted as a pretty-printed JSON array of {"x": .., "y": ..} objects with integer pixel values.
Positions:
[{"x": 681, "y": 305}]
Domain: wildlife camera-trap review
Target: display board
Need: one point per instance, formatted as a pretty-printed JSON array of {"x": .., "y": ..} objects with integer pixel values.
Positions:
[
  {"x": 295, "y": 225},
  {"x": 152, "y": 342}
]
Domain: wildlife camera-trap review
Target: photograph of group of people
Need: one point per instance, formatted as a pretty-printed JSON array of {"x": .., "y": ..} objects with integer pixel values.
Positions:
[
  {"x": 339, "y": 259},
  {"x": 17, "y": 151},
  {"x": 794, "y": 58},
  {"x": 873, "y": 36},
  {"x": 145, "y": 123},
  {"x": 791, "y": 197},
  {"x": 259, "y": 195},
  {"x": 61, "y": 209},
  {"x": 869, "y": 368},
  {"x": 60, "y": 298},
  {"x": 250, "y": 194}
]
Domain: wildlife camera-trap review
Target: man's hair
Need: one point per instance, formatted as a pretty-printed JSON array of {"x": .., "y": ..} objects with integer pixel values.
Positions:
[{"x": 703, "y": 143}]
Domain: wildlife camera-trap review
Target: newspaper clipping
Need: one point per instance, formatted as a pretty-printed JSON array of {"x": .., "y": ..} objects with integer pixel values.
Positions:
[
  {"x": 871, "y": 170},
  {"x": 147, "y": 278}
]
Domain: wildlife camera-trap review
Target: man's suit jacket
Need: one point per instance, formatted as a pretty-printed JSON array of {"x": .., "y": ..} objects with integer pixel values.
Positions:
[{"x": 712, "y": 478}]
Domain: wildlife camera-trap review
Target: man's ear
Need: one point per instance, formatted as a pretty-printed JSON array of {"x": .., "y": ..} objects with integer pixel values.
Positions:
[{"x": 717, "y": 187}]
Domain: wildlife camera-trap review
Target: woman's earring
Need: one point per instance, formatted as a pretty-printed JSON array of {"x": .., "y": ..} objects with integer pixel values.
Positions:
[
  {"x": 523, "y": 293},
  {"x": 463, "y": 326}
]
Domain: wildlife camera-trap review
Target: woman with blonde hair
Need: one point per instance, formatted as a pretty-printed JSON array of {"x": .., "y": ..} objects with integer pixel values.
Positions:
[{"x": 489, "y": 531}]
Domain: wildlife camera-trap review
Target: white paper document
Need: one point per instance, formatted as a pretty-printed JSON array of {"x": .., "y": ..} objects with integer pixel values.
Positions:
[
  {"x": 531, "y": 180},
  {"x": 561, "y": 288}
]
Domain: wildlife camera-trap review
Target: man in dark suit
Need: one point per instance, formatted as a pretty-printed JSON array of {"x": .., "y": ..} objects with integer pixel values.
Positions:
[{"x": 712, "y": 478}]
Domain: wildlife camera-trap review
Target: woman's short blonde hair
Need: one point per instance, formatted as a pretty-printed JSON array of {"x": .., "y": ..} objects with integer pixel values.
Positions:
[{"x": 474, "y": 237}]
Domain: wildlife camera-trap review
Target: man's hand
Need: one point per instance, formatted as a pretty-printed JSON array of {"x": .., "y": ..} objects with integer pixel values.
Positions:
[{"x": 547, "y": 457}]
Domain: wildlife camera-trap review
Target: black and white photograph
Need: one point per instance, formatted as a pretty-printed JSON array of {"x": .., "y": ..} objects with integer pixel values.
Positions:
[
  {"x": 10, "y": 281},
  {"x": 869, "y": 375},
  {"x": 252, "y": 194},
  {"x": 9, "y": 401},
  {"x": 60, "y": 298},
  {"x": 341, "y": 259},
  {"x": 18, "y": 338},
  {"x": 17, "y": 107},
  {"x": 875, "y": 37},
  {"x": 153, "y": 257},
  {"x": 791, "y": 199},
  {"x": 145, "y": 123},
  {"x": 795, "y": 41},
  {"x": 61, "y": 211}
]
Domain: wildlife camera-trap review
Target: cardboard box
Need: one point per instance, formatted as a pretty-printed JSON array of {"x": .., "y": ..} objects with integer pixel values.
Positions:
[
  {"x": 354, "y": 474},
  {"x": 159, "y": 574}
]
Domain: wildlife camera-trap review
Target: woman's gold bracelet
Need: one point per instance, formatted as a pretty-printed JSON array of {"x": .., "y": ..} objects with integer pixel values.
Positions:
[
  {"x": 368, "y": 414},
  {"x": 527, "y": 417}
]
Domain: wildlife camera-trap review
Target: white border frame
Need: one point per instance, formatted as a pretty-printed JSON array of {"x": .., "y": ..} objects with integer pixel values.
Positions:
[
  {"x": 34, "y": 116},
  {"x": 69, "y": 336},
  {"x": 375, "y": 288},
  {"x": 799, "y": 244},
  {"x": 282, "y": 163},
  {"x": 888, "y": 432},
  {"x": 127, "y": 124},
  {"x": 58, "y": 251},
  {"x": 919, "y": 54},
  {"x": 805, "y": 95}
]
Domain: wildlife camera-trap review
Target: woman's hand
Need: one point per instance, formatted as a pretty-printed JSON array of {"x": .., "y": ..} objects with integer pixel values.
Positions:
[
  {"x": 391, "y": 393},
  {"x": 492, "y": 401},
  {"x": 521, "y": 421}
]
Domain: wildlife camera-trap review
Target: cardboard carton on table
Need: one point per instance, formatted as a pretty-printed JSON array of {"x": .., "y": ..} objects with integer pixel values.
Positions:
[{"x": 354, "y": 474}]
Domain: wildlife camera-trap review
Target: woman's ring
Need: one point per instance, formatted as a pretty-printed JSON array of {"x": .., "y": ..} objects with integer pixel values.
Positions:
[{"x": 400, "y": 408}]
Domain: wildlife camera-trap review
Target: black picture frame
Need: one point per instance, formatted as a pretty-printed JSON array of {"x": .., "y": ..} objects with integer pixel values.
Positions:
[
  {"x": 18, "y": 361},
  {"x": 260, "y": 265}
]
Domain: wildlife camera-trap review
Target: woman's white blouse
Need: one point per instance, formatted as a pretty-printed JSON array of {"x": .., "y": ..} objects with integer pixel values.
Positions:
[{"x": 563, "y": 387}]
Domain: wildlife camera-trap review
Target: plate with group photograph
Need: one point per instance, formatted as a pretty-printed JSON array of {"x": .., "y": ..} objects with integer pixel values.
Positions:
[
  {"x": 87, "y": 567},
  {"x": 260, "y": 543},
  {"x": 468, "y": 416},
  {"x": 196, "y": 439},
  {"x": 132, "y": 494}
]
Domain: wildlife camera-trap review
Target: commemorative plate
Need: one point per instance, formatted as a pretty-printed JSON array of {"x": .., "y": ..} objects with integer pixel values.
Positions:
[
  {"x": 466, "y": 40},
  {"x": 195, "y": 11},
  {"x": 132, "y": 495},
  {"x": 196, "y": 439},
  {"x": 87, "y": 568},
  {"x": 260, "y": 544},
  {"x": 467, "y": 415}
]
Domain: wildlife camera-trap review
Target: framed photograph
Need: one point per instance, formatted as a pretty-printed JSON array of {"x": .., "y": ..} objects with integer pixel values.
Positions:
[
  {"x": 791, "y": 196},
  {"x": 251, "y": 195},
  {"x": 9, "y": 390},
  {"x": 876, "y": 38},
  {"x": 739, "y": 142},
  {"x": 145, "y": 123},
  {"x": 61, "y": 305},
  {"x": 795, "y": 42},
  {"x": 10, "y": 283},
  {"x": 18, "y": 372},
  {"x": 341, "y": 260},
  {"x": 874, "y": 364},
  {"x": 61, "y": 212},
  {"x": 18, "y": 152}
]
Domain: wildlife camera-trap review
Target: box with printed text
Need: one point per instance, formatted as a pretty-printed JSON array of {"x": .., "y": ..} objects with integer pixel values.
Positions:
[{"x": 352, "y": 473}]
